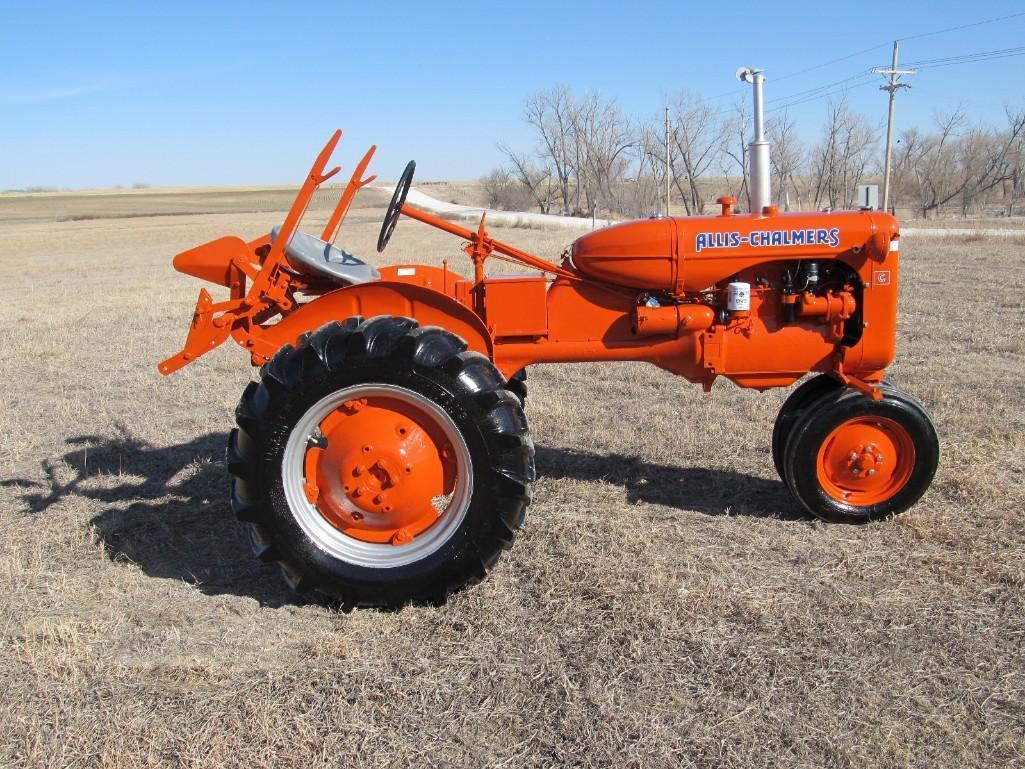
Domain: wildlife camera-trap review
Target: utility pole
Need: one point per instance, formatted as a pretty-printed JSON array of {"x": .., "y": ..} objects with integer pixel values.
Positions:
[
  {"x": 893, "y": 86},
  {"x": 668, "y": 164}
]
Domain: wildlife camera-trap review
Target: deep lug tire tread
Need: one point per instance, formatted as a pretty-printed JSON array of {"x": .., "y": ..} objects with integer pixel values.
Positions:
[
  {"x": 430, "y": 360},
  {"x": 517, "y": 385}
]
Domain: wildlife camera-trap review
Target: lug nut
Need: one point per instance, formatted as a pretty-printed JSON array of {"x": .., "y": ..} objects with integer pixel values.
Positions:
[
  {"x": 853, "y": 457},
  {"x": 871, "y": 472}
]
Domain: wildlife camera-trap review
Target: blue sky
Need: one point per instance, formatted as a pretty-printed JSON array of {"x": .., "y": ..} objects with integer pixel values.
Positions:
[{"x": 204, "y": 93}]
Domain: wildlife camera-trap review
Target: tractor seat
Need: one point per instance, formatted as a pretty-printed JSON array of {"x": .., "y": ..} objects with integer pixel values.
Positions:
[{"x": 313, "y": 256}]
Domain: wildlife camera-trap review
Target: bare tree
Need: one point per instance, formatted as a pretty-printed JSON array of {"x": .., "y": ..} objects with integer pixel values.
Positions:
[
  {"x": 506, "y": 192},
  {"x": 733, "y": 158},
  {"x": 841, "y": 157},
  {"x": 583, "y": 152},
  {"x": 906, "y": 149},
  {"x": 536, "y": 179},
  {"x": 551, "y": 115},
  {"x": 603, "y": 138},
  {"x": 651, "y": 164},
  {"x": 643, "y": 195},
  {"x": 787, "y": 158},
  {"x": 588, "y": 152},
  {"x": 991, "y": 159},
  {"x": 696, "y": 143},
  {"x": 980, "y": 152},
  {"x": 1014, "y": 185},
  {"x": 961, "y": 164},
  {"x": 932, "y": 164}
]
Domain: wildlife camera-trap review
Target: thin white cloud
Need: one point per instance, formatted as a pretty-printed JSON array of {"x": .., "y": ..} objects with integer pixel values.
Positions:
[{"x": 51, "y": 94}]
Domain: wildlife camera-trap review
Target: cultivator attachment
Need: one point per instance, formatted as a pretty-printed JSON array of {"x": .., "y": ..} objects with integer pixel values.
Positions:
[{"x": 264, "y": 275}]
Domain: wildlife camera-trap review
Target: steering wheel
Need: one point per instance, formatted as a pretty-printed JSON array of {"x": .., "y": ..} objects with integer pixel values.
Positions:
[{"x": 398, "y": 199}]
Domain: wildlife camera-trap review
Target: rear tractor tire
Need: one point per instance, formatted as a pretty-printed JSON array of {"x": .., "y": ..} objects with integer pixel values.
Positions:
[
  {"x": 517, "y": 385},
  {"x": 380, "y": 463},
  {"x": 852, "y": 459}
]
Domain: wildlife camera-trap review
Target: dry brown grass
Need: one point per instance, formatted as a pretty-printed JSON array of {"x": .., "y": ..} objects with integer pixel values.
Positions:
[{"x": 667, "y": 604}]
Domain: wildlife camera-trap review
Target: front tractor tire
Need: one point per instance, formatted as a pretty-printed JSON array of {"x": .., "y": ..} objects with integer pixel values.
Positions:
[
  {"x": 793, "y": 409},
  {"x": 851, "y": 459},
  {"x": 380, "y": 463}
]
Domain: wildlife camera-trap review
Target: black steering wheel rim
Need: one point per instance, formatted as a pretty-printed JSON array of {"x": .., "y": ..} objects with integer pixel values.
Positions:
[{"x": 398, "y": 199}]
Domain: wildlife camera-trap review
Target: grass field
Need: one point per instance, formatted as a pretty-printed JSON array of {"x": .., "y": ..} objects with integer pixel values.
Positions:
[{"x": 667, "y": 605}]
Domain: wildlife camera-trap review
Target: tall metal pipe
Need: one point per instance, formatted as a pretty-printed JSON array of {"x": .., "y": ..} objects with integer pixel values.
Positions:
[{"x": 759, "y": 171}]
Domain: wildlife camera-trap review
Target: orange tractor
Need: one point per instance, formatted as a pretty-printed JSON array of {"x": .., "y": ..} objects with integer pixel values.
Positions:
[{"x": 384, "y": 457}]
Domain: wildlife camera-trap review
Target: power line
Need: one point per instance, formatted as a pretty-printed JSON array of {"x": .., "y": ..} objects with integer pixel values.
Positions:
[
  {"x": 807, "y": 99},
  {"x": 798, "y": 94},
  {"x": 848, "y": 57},
  {"x": 887, "y": 44},
  {"x": 965, "y": 26},
  {"x": 864, "y": 78},
  {"x": 801, "y": 97},
  {"x": 969, "y": 57},
  {"x": 828, "y": 63},
  {"x": 972, "y": 61}
]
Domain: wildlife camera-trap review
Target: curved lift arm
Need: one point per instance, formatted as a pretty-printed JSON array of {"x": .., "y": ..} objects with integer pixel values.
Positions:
[{"x": 481, "y": 245}]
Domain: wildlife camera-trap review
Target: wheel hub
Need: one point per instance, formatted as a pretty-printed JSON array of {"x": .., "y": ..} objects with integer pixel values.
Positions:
[
  {"x": 379, "y": 470},
  {"x": 866, "y": 460}
]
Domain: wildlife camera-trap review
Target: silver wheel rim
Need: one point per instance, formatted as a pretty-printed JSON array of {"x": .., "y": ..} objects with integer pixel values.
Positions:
[{"x": 333, "y": 541}]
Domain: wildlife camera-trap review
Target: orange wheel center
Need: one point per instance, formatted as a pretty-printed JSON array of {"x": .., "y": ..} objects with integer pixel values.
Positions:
[
  {"x": 380, "y": 470},
  {"x": 866, "y": 460}
]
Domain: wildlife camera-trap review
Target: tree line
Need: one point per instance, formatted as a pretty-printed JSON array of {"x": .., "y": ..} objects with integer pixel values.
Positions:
[{"x": 589, "y": 156}]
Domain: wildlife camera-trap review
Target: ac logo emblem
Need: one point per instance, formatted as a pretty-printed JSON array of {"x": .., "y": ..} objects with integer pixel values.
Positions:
[{"x": 881, "y": 277}]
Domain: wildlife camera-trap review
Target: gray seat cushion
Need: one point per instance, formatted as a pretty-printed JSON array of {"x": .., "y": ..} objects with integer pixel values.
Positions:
[{"x": 313, "y": 256}]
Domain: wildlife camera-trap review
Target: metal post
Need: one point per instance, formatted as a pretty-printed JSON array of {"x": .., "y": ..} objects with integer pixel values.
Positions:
[
  {"x": 893, "y": 86},
  {"x": 669, "y": 167}
]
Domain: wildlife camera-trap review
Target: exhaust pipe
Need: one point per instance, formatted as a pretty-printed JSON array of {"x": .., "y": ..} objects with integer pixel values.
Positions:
[{"x": 759, "y": 171}]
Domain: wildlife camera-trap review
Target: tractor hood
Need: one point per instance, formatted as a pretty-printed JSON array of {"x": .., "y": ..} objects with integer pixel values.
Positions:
[{"x": 693, "y": 253}]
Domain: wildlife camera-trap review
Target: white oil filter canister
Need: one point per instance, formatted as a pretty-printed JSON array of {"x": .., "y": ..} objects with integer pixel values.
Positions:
[{"x": 738, "y": 298}]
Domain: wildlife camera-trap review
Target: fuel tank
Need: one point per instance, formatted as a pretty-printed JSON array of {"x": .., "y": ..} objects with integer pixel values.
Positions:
[
  {"x": 696, "y": 252},
  {"x": 640, "y": 254}
]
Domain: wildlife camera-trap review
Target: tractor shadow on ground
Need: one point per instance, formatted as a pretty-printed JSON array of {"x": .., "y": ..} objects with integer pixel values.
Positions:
[
  {"x": 166, "y": 508},
  {"x": 703, "y": 490}
]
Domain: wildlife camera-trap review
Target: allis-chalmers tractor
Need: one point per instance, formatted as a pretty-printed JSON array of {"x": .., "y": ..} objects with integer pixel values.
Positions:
[{"x": 384, "y": 456}]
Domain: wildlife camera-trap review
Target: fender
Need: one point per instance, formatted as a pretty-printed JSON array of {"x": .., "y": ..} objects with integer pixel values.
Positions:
[{"x": 425, "y": 305}]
